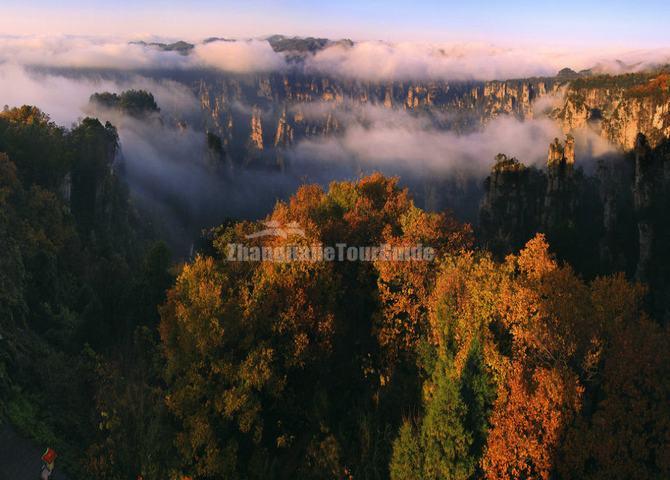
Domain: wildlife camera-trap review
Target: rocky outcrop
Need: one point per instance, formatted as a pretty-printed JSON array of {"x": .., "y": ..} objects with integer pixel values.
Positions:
[
  {"x": 253, "y": 152},
  {"x": 558, "y": 201},
  {"x": 514, "y": 97},
  {"x": 283, "y": 140},
  {"x": 618, "y": 244},
  {"x": 298, "y": 45},
  {"x": 619, "y": 108},
  {"x": 645, "y": 195},
  {"x": 512, "y": 204},
  {"x": 256, "y": 135},
  {"x": 560, "y": 196},
  {"x": 651, "y": 201},
  {"x": 562, "y": 154},
  {"x": 228, "y": 105},
  {"x": 216, "y": 157},
  {"x": 617, "y": 221},
  {"x": 651, "y": 191},
  {"x": 284, "y": 134}
]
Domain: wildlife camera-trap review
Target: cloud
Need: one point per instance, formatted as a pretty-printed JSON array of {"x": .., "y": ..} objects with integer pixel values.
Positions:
[
  {"x": 412, "y": 61},
  {"x": 376, "y": 138},
  {"x": 375, "y": 60},
  {"x": 65, "y": 98},
  {"x": 62, "y": 98},
  {"x": 86, "y": 52},
  {"x": 245, "y": 56},
  {"x": 183, "y": 189},
  {"x": 367, "y": 60}
]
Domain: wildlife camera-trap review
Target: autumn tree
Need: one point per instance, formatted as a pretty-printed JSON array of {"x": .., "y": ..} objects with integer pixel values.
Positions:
[
  {"x": 562, "y": 332},
  {"x": 35, "y": 144},
  {"x": 305, "y": 363},
  {"x": 529, "y": 343},
  {"x": 625, "y": 432},
  {"x": 405, "y": 286}
]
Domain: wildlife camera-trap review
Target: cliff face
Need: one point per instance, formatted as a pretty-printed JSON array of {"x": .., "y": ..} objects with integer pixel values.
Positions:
[
  {"x": 560, "y": 196},
  {"x": 615, "y": 221},
  {"x": 618, "y": 243},
  {"x": 645, "y": 194},
  {"x": 651, "y": 200},
  {"x": 256, "y": 110},
  {"x": 512, "y": 204},
  {"x": 264, "y": 112},
  {"x": 619, "y": 107},
  {"x": 521, "y": 201}
]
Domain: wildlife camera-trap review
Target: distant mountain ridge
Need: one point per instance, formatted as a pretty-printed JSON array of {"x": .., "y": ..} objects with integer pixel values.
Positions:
[
  {"x": 279, "y": 43},
  {"x": 181, "y": 47}
]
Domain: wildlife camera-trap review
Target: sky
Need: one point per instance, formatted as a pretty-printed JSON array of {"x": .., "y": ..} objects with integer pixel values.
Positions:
[{"x": 612, "y": 23}]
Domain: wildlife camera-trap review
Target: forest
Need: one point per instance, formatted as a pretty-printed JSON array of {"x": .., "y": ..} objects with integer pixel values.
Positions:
[{"x": 514, "y": 354}]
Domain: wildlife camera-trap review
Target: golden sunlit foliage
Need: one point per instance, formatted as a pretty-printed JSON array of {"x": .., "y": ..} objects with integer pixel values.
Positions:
[
  {"x": 509, "y": 369},
  {"x": 284, "y": 347},
  {"x": 549, "y": 341}
]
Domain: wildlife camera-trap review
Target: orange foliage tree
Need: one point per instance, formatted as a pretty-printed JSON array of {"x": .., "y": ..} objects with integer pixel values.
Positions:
[
  {"x": 524, "y": 366},
  {"x": 562, "y": 353},
  {"x": 268, "y": 363}
]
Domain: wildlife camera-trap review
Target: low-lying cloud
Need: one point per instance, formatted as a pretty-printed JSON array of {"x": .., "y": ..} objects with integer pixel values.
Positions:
[
  {"x": 396, "y": 141},
  {"x": 65, "y": 99},
  {"x": 245, "y": 56},
  {"x": 180, "y": 187},
  {"x": 86, "y": 52},
  {"x": 367, "y": 60},
  {"x": 471, "y": 61},
  {"x": 411, "y": 61},
  {"x": 239, "y": 57},
  {"x": 165, "y": 161}
]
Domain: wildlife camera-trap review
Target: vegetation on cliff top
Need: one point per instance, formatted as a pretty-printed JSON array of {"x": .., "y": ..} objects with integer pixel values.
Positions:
[
  {"x": 647, "y": 83},
  {"x": 133, "y": 102}
]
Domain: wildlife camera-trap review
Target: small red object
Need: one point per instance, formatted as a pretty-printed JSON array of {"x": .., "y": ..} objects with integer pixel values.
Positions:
[{"x": 49, "y": 455}]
